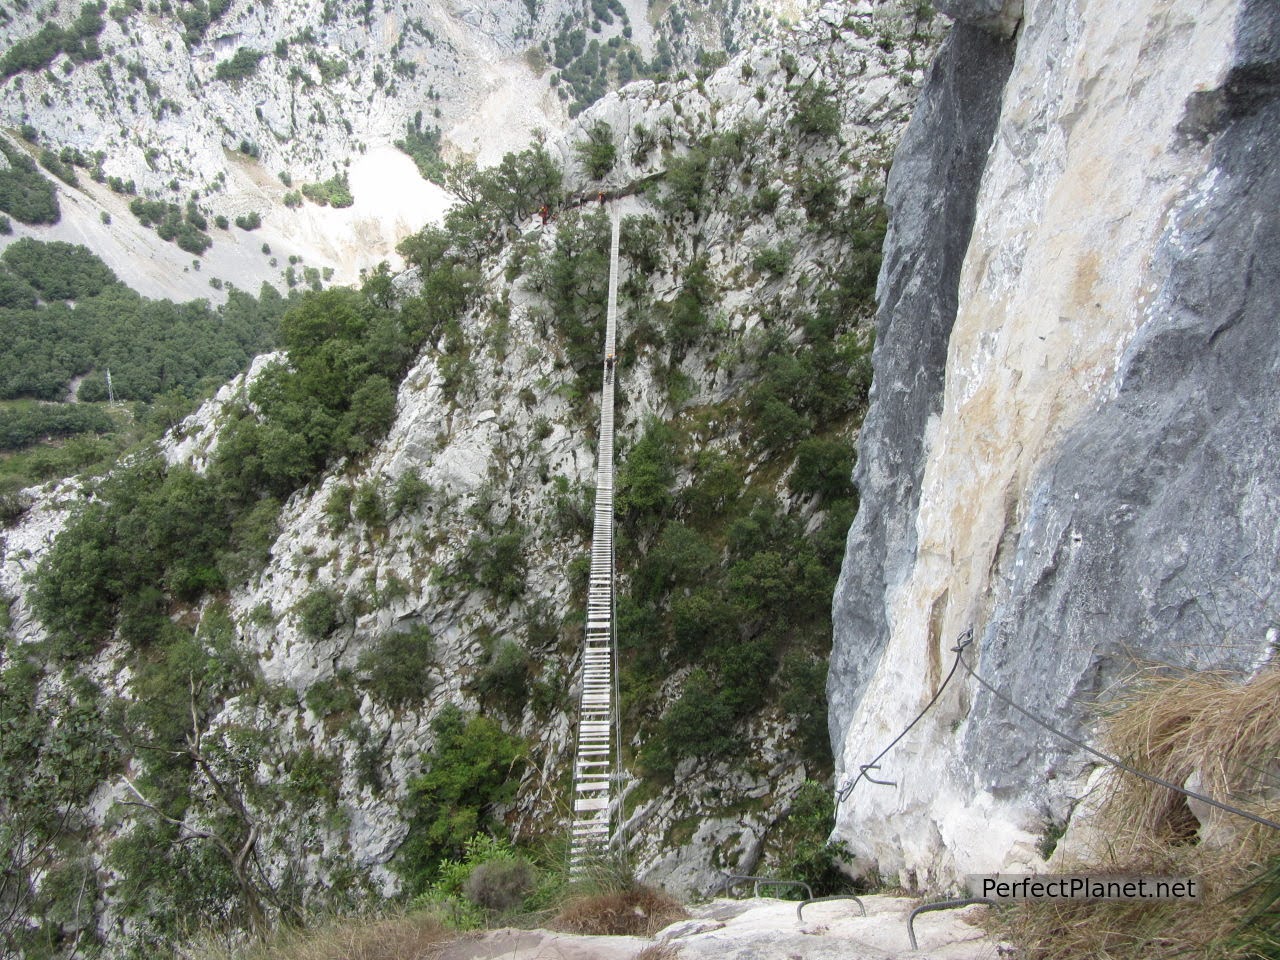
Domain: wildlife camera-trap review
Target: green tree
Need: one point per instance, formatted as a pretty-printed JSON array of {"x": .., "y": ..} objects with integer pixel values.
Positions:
[
  {"x": 184, "y": 764},
  {"x": 504, "y": 679},
  {"x": 598, "y": 153},
  {"x": 423, "y": 145},
  {"x": 153, "y": 529},
  {"x": 334, "y": 192},
  {"x": 703, "y": 619},
  {"x": 816, "y": 114},
  {"x": 804, "y": 697},
  {"x": 574, "y": 279},
  {"x": 646, "y": 478},
  {"x": 470, "y": 770},
  {"x": 685, "y": 182},
  {"x": 79, "y": 41},
  {"x": 497, "y": 562},
  {"x": 25, "y": 194},
  {"x": 409, "y": 493},
  {"x": 800, "y": 847},
  {"x": 680, "y": 558},
  {"x": 700, "y": 724},
  {"x": 508, "y": 193},
  {"x": 395, "y": 669},
  {"x": 54, "y": 752},
  {"x": 319, "y": 612},
  {"x": 243, "y": 64},
  {"x": 688, "y": 317},
  {"x": 823, "y": 467},
  {"x": 58, "y": 270},
  {"x": 371, "y": 412}
]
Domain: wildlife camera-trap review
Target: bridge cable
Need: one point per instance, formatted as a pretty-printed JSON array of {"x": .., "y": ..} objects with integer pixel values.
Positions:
[
  {"x": 1115, "y": 761},
  {"x": 964, "y": 641},
  {"x": 961, "y": 642}
]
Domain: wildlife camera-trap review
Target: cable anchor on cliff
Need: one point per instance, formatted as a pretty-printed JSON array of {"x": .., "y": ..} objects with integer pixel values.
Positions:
[
  {"x": 846, "y": 788},
  {"x": 870, "y": 779}
]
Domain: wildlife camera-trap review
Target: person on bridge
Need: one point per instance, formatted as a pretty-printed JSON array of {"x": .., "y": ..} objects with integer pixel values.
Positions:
[{"x": 610, "y": 360}]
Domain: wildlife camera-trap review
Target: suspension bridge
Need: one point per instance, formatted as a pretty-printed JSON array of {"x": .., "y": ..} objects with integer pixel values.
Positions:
[{"x": 598, "y": 753}]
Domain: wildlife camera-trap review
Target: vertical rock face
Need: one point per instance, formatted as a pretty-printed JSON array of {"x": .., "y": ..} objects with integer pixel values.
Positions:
[
  {"x": 1000, "y": 17},
  {"x": 931, "y": 192},
  {"x": 1096, "y": 476}
]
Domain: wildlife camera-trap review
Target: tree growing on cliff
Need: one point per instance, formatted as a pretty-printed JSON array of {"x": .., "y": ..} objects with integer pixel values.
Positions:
[
  {"x": 53, "y": 753},
  {"x": 817, "y": 114},
  {"x": 243, "y": 64},
  {"x": 507, "y": 194},
  {"x": 468, "y": 772},
  {"x": 197, "y": 832},
  {"x": 598, "y": 153}
]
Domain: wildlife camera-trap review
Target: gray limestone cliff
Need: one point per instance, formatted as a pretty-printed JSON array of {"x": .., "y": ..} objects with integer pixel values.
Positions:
[
  {"x": 931, "y": 193},
  {"x": 1073, "y": 441}
]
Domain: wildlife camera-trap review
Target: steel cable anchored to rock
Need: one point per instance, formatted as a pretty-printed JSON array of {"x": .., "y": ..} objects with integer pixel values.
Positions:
[{"x": 962, "y": 643}]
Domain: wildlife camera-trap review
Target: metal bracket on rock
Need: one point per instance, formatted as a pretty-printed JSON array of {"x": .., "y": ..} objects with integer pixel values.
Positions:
[
  {"x": 870, "y": 779},
  {"x": 839, "y": 896},
  {"x": 942, "y": 905}
]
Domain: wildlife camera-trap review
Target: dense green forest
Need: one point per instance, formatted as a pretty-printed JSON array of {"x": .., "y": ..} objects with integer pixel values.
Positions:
[
  {"x": 65, "y": 318},
  {"x": 21, "y": 426},
  {"x": 25, "y": 193},
  {"x": 64, "y": 315}
]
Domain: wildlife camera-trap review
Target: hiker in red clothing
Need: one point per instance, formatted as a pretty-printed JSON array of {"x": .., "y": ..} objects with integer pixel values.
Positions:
[
  {"x": 602, "y": 198},
  {"x": 545, "y": 213}
]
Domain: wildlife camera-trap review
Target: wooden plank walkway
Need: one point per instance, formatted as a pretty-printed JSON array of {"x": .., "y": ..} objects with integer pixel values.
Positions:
[{"x": 596, "y": 759}]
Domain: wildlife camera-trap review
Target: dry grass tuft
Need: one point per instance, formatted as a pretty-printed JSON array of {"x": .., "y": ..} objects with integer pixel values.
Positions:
[
  {"x": 1220, "y": 737},
  {"x": 417, "y": 936},
  {"x": 1224, "y": 733},
  {"x": 658, "y": 951},
  {"x": 638, "y": 911}
]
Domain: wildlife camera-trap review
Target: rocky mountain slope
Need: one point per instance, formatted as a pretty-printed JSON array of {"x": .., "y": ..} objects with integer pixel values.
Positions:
[
  {"x": 759, "y": 927},
  {"x": 1071, "y": 445},
  {"x": 1067, "y": 456},
  {"x": 449, "y": 554},
  {"x": 237, "y": 106}
]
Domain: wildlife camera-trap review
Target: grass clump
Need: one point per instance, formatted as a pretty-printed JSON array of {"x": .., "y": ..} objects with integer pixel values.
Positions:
[
  {"x": 405, "y": 936},
  {"x": 1220, "y": 736},
  {"x": 630, "y": 910},
  {"x": 500, "y": 885}
]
